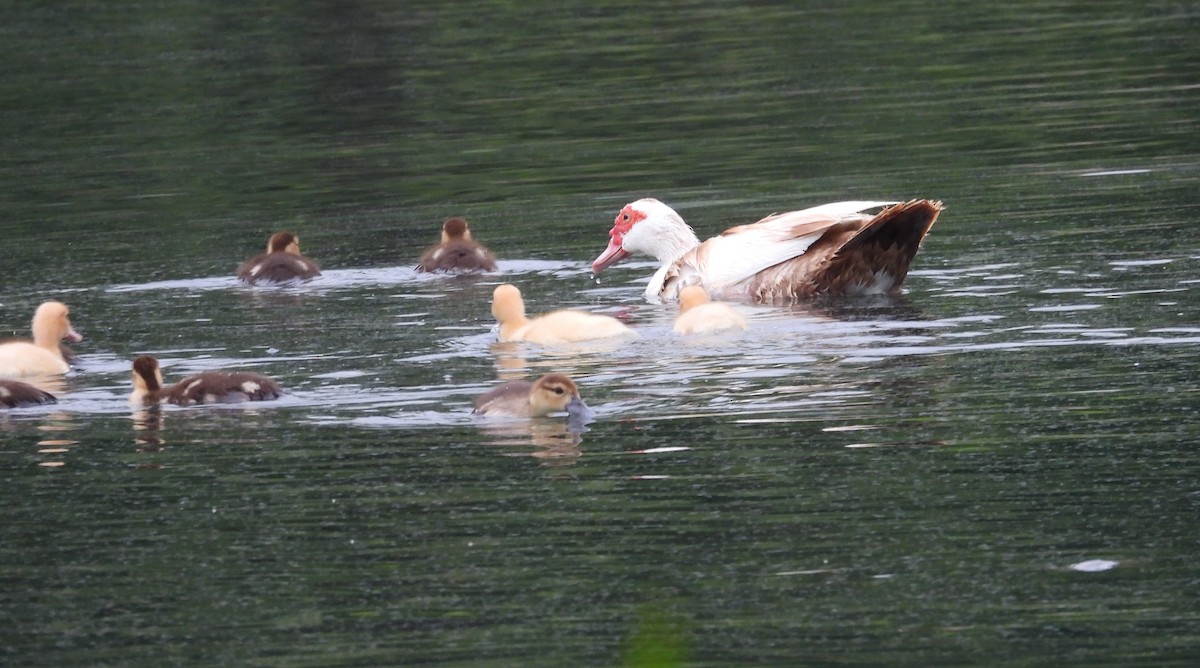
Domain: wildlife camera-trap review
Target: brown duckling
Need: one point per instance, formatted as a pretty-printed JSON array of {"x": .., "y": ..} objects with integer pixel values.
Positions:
[
  {"x": 551, "y": 393},
  {"x": 281, "y": 263},
  {"x": 14, "y": 394},
  {"x": 553, "y": 328},
  {"x": 698, "y": 315},
  {"x": 208, "y": 387},
  {"x": 457, "y": 252},
  {"x": 43, "y": 355}
]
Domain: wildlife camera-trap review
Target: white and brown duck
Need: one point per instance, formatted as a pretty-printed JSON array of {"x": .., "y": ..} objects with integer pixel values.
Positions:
[
  {"x": 554, "y": 328},
  {"x": 282, "y": 263},
  {"x": 834, "y": 249},
  {"x": 552, "y": 393},
  {"x": 208, "y": 387},
  {"x": 699, "y": 315},
  {"x": 15, "y": 394},
  {"x": 44, "y": 355},
  {"x": 457, "y": 252}
]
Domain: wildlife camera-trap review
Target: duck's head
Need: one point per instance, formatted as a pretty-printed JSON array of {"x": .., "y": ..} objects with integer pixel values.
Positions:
[
  {"x": 284, "y": 242},
  {"x": 507, "y": 305},
  {"x": 147, "y": 377},
  {"x": 691, "y": 297},
  {"x": 51, "y": 324},
  {"x": 556, "y": 392},
  {"x": 455, "y": 229},
  {"x": 649, "y": 227}
]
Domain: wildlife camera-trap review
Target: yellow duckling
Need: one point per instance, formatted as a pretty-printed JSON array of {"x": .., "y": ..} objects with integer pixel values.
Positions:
[
  {"x": 43, "y": 356},
  {"x": 556, "y": 327},
  {"x": 698, "y": 315}
]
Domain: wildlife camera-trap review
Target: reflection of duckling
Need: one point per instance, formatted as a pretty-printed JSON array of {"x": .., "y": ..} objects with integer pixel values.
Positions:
[
  {"x": 552, "y": 328},
  {"x": 44, "y": 355},
  {"x": 281, "y": 263},
  {"x": 457, "y": 252},
  {"x": 14, "y": 393},
  {"x": 698, "y": 315},
  {"x": 208, "y": 387},
  {"x": 551, "y": 393}
]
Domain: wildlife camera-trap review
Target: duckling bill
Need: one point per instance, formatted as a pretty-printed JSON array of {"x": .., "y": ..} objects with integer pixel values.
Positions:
[
  {"x": 552, "y": 393},
  {"x": 209, "y": 387}
]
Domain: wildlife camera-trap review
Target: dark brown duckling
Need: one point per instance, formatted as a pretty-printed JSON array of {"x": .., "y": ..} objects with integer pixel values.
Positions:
[
  {"x": 208, "y": 387},
  {"x": 280, "y": 264},
  {"x": 14, "y": 394},
  {"x": 551, "y": 393},
  {"x": 457, "y": 253}
]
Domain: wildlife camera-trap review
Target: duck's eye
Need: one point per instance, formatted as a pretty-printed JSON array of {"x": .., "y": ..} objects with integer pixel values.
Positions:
[
  {"x": 625, "y": 217},
  {"x": 558, "y": 390}
]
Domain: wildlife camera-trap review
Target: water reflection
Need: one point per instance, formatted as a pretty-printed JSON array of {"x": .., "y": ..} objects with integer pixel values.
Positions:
[
  {"x": 148, "y": 426},
  {"x": 556, "y": 442},
  {"x": 57, "y": 440}
]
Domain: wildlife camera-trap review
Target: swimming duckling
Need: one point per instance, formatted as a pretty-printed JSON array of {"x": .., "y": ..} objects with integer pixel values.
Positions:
[
  {"x": 556, "y": 327},
  {"x": 14, "y": 394},
  {"x": 281, "y": 263},
  {"x": 208, "y": 387},
  {"x": 551, "y": 393},
  {"x": 43, "y": 355},
  {"x": 698, "y": 315},
  {"x": 457, "y": 252}
]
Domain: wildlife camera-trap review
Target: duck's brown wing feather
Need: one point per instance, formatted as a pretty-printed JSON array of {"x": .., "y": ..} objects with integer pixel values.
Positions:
[{"x": 853, "y": 257}]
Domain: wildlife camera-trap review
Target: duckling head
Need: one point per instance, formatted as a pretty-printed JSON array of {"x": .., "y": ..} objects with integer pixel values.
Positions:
[
  {"x": 455, "y": 229},
  {"x": 147, "y": 377},
  {"x": 284, "y": 242},
  {"x": 556, "y": 392},
  {"x": 691, "y": 297},
  {"x": 51, "y": 324},
  {"x": 507, "y": 305}
]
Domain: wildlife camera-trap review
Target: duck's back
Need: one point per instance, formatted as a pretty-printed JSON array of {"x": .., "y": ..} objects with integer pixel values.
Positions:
[
  {"x": 457, "y": 256},
  {"x": 14, "y": 394},
  {"x": 222, "y": 387},
  {"x": 278, "y": 267},
  {"x": 569, "y": 326},
  {"x": 511, "y": 398},
  {"x": 708, "y": 318}
]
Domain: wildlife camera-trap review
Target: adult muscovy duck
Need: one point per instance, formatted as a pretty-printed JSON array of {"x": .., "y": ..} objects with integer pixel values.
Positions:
[{"x": 829, "y": 249}]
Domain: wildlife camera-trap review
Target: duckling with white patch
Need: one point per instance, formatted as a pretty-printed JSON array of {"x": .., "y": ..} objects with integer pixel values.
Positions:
[
  {"x": 282, "y": 263},
  {"x": 698, "y": 315},
  {"x": 44, "y": 355},
  {"x": 556, "y": 327},
  {"x": 208, "y": 387},
  {"x": 457, "y": 253},
  {"x": 552, "y": 393},
  {"x": 15, "y": 394}
]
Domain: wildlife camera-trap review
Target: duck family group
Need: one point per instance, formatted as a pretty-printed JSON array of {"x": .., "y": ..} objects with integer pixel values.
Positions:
[{"x": 832, "y": 249}]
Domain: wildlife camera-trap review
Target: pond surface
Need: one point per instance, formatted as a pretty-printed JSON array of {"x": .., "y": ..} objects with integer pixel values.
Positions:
[{"x": 999, "y": 467}]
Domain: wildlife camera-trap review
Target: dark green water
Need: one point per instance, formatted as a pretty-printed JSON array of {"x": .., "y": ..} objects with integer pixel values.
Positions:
[{"x": 906, "y": 481}]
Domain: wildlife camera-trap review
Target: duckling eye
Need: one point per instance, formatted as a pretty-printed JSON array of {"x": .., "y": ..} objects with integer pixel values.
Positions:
[{"x": 558, "y": 390}]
